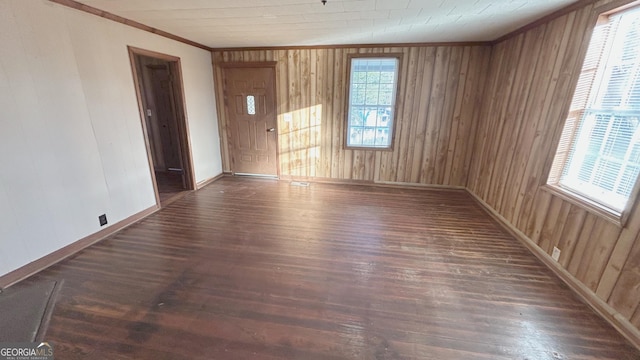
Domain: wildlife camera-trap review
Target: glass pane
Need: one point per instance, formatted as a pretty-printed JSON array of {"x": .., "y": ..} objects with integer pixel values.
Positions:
[
  {"x": 251, "y": 105},
  {"x": 369, "y": 137},
  {"x": 360, "y": 77},
  {"x": 372, "y": 96},
  {"x": 382, "y": 137},
  {"x": 355, "y": 136},
  {"x": 384, "y": 115},
  {"x": 357, "y": 116},
  {"x": 358, "y": 97},
  {"x": 387, "y": 77},
  {"x": 371, "y": 116}
]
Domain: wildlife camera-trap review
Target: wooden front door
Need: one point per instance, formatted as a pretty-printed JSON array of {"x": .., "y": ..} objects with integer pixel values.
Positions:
[{"x": 250, "y": 105}]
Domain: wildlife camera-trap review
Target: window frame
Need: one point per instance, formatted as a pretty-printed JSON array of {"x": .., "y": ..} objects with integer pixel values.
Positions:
[
  {"x": 394, "y": 119},
  {"x": 593, "y": 206}
]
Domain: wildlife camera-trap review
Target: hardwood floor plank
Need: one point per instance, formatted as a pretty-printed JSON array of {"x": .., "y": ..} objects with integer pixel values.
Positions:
[{"x": 254, "y": 268}]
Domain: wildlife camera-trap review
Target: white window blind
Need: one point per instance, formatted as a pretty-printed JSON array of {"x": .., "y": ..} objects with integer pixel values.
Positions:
[
  {"x": 372, "y": 96},
  {"x": 599, "y": 152}
]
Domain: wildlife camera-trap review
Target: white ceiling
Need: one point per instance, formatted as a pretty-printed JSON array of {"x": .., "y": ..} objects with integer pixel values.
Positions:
[{"x": 253, "y": 23}]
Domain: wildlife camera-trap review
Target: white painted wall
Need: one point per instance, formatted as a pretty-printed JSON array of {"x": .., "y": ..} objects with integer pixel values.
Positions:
[{"x": 71, "y": 141}]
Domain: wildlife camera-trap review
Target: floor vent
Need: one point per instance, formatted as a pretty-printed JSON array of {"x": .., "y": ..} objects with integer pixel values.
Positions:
[{"x": 299, "y": 183}]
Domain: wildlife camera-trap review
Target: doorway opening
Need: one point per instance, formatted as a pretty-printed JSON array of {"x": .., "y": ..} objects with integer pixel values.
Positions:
[{"x": 158, "y": 83}]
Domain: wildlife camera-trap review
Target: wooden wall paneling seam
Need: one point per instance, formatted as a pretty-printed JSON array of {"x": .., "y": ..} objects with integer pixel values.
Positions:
[
  {"x": 452, "y": 147},
  {"x": 493, "y": 115},
  {"x": 619, "y": 256},
  {"x": 540, "y": 206},
  {"x": 337, "y": 119},
  {"x": 547, "y": 225},
  {"x": 348, "y": 154},
  {"x": 532, "y": 126},
  {"x": 558, "y": 229},
  {"x": 302, "y": 153},
  {"x": 427, "y": 75},
  {"x": 298, "y": 144},
  {"x": 361, "y": 165},
  {"x": 570, "y": 233},
  {"x": 482, "y": 134},
  {"x": 554, "y": 225},
  {"x": 438, "y": 114},
  {"x": 447, "y": 118},
  {"x": 305, "y": 114},
  {"x": 581, "y": 264},
  {"x": 518, "y": 101},
  {"x": 528, "y": 187},
  {"x": 382, "y": 157},
  {"x": 346, "y": 160},
  {"x": 416, "y": 143},
  {"x": 282, "y": 100},
  {"x": 582, "y": 242},
  {"x": 327, "y": 110},
  {"x": 473, "y": 116},
  {"x": 433, "y": 112},
  {"x": 531, "y": 186},
  {"x": 386, "y": 157},
  {"x": 313, "y": 103},
  {"x": 400, "y": 116},
  {"x": 295, "y": 95},
  {"x": 626, "y": 293},
  {"x": 408, "y": 119},
  {"x": 600, "y": 243},
  {"x": 281, "y": 109},
  {"x": 331, "y": 121},
  {"x": 501, "y": 126}
]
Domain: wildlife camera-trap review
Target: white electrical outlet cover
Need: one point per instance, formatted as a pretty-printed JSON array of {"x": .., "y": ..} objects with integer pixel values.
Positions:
[{"x": 556, "y": 253}]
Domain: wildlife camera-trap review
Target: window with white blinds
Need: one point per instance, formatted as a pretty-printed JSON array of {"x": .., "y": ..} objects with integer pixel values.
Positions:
[{"x": 599, "y": 152}]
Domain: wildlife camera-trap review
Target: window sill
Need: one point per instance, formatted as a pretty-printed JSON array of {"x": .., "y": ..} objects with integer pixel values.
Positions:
[
  {"x": 585, "y": 203},
  {"x": 365, "y": 148}
]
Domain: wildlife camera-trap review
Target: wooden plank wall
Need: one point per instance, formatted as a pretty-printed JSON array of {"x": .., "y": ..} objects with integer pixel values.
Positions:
[
  {"x": 532, "y": 78},
  {"x": 439, "y": 101}
]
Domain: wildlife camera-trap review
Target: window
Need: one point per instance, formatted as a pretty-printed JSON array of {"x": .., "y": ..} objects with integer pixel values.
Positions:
[
  {"x": 373, "y": 83},
  {"x": 251, "y": 105},
  {"x": 598, "y": 157}
]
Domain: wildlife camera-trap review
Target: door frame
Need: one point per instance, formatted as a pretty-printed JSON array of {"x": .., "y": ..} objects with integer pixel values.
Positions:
[
  {"x": 175, "y": 69},
  {"x": 249, "y": 64}
]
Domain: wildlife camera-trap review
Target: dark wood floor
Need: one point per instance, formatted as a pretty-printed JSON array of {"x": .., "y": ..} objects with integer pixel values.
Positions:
[
  {"x": 169, "y": 185},
  {"x": 260, "y": 269}
]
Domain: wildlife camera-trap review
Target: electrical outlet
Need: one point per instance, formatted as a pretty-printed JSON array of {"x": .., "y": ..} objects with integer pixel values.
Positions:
[
  {"x": 556, "y": 253},
  {"x": 103, "y": 219}
]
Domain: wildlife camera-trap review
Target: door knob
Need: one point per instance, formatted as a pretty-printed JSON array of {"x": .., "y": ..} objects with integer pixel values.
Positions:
[{"x": 271, "y": 129}]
